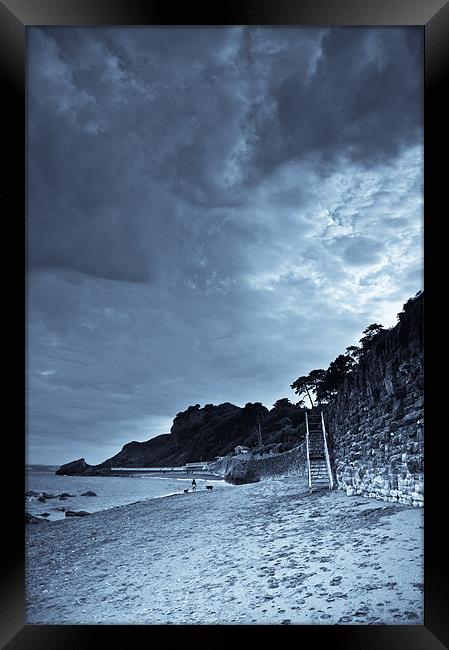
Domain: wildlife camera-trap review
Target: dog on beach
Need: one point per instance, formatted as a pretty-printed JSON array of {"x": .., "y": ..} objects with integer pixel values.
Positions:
[
  {"x": 185, "y": 491},
  {"x": 209, "y": 487}
]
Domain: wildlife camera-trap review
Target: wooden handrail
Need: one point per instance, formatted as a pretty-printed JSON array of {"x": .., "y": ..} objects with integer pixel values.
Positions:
[
  {"x": 326, "y": 453},
  {"x": 308, "y": 456}
]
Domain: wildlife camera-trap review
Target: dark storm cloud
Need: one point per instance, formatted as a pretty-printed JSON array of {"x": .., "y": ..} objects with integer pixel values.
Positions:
[
  {"x": 198, "y": 199},
  {"x": 362, "y": 100}
]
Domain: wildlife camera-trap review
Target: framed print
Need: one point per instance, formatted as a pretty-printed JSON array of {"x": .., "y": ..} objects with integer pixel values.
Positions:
[{"x": 228, "y": 216}]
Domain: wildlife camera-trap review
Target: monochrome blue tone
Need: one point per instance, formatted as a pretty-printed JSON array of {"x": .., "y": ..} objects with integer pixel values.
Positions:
[{"x": 212, "y": 212}]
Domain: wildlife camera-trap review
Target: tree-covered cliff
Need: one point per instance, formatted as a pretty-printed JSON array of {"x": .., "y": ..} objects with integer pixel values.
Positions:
[{"x": 203, "y": 433}]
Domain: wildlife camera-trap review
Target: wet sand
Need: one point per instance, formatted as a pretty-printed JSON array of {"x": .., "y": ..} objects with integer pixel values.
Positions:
[{"x": 265, "y": 553}]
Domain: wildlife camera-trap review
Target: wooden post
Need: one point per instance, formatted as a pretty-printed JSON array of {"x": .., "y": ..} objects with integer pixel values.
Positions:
[{"x": 326, "y": 451}]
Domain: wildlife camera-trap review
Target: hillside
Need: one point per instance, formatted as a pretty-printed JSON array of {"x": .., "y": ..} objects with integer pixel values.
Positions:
[
  {"x": 203, "y": 433},
  {"x": 373, "y": 397}
]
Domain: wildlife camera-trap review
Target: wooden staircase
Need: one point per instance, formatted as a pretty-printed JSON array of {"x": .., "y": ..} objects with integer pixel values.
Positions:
[{"x": 318, "y": 461}]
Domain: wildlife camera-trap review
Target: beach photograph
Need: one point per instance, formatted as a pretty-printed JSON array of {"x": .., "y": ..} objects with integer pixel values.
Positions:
[{"x": 224, "y": 323}]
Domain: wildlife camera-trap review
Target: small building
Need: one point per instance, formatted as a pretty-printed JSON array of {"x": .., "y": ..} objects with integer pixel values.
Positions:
[
  {"x": 241, "y": 449},
  {"x": 195, "y": 467}
]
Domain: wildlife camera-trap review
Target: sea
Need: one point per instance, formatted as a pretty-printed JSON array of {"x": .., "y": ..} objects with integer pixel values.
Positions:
[{"x": 111, "y": 491}]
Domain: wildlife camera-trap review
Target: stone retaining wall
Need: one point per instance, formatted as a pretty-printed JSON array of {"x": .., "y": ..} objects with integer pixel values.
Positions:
[
  {"x": 375, "y": 423},
  {"x": 242, "y": 470}
]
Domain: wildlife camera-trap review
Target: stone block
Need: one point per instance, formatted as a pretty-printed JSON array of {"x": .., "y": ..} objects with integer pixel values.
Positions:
[{"x": 413, "y": 415}]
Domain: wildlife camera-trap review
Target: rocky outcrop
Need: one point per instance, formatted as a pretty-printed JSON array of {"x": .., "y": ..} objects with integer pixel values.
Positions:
[
  {"x": 31, "y": 519},
  {"x": 376, "y": 421},
  {"x": 242, "y": 472},
  {"x": 75, "y": 467},
  {"x": 76, "y": 513}
]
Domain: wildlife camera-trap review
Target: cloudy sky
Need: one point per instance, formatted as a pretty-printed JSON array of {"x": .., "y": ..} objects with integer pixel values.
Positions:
[{"x": 212, "y": 212}]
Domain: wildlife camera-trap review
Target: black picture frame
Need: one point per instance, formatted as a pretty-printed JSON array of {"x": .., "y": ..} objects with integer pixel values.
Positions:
[{"x": 433, "y": 17}]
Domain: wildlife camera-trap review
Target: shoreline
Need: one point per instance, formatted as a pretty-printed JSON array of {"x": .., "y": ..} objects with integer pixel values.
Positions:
[
  {"x": 265, "y": 553},
  {"x": 167, "y": 486},
  {"x": 169, "y": 474}
]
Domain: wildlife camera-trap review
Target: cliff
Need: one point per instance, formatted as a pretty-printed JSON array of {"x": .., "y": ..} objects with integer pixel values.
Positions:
[
  {"x": 202, "y": 434},
  {"x": 375, "y": 427},
  {"x": 375, "y": 423},
  {"x": 75, "y": 467}
]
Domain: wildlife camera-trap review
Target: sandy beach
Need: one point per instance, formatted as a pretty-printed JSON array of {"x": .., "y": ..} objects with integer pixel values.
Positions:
[{"x": 263, "y": 553}]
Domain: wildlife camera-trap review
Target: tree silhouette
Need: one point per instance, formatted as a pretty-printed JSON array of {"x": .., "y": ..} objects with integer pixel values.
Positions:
[
  {"x": 282, "y": 403},
  {"x": 255, "y": 412},
  {"x": 354, "y": 352},
  {"x": 323, "y": 384},
  {"x": 334, "y": 376},
  {"x": 372, "y": 333},
  {"x": 309, "y": 384},
  {"x": 408, "y": 305}
]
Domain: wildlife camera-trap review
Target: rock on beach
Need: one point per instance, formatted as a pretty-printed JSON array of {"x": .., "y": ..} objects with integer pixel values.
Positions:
[{"x": 251, "y": 554}]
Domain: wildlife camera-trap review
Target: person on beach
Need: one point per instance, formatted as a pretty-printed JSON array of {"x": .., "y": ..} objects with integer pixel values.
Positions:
[{"x": 193, "y": 485}]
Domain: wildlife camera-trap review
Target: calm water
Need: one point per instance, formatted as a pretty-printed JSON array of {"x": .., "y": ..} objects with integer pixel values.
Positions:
[{"x": 111, "y": 491}]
